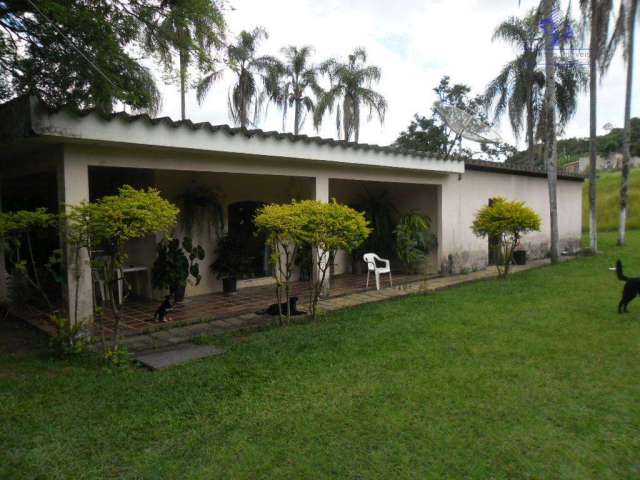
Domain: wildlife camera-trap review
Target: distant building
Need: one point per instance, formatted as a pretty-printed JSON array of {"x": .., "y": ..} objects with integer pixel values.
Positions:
[{"x": 612, "y": 162}]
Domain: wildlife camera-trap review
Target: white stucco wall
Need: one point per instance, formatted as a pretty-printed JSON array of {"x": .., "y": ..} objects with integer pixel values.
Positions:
[{"x": 463, "y": 195}]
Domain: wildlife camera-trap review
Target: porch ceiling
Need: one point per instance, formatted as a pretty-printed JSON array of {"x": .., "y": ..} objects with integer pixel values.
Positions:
[{"x": 121, "y": 128}]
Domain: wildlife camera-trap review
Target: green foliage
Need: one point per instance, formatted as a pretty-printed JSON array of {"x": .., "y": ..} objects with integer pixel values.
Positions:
[
  {"x": 16, "y": 231},
  {"x": 108, "y": 224},
  {"x": 431, "y": 134},
  {"x": 608, "y": 198},
  {"x": 380, "y": 212},
  {"x": 508, "y": 221},
  {"x": 413, "y": 240},
  {"x": 245, "y": 99},
  {"x": 327, "y": 228},
  {"x": 283, "y": 227},
  {"x": 174, "y": 264},
  {"x": 200, "y": 206},
  {"x": 231, "y": 260},
  {"x": 351, "y": 88},
  {"x": 69, "y": 337}
]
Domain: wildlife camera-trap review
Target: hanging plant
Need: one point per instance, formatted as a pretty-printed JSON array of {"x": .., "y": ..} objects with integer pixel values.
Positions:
[{"x": 200, "y": 206}]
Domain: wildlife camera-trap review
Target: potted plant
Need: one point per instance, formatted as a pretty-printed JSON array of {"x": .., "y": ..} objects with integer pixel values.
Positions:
[
  {"x": 231, "y": 262},
  {"x": 174, "y": 265},
  {"x": 519, "y": 255}
]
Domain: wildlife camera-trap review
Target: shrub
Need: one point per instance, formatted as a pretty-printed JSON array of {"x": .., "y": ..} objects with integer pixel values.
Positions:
[
  {"x": 413, "y": 240},
  {"x": 110, "y": 222},
  {"x": 508, "y": 221},
  {"x": 327, "y": 228}
]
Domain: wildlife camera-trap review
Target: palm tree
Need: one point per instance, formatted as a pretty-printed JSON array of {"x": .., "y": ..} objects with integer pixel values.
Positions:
[
  {"x": 596, "y": 14},
  {"x": 351, "y": 82},
  {"x": 625, "y": 31},
  {"x": 519, "y": 88},
  {"x": 550, "y": 143},
  {"x": 246, "y": 96},
  {"x": 193, "y": 39},
  {"x": 289, "y": 83}
]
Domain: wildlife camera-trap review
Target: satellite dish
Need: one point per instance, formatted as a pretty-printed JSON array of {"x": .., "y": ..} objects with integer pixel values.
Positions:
[{"x": 466, "y": 125}]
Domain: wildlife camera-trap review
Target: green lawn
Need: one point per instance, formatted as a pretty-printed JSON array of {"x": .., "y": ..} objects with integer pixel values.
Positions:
[
  {"x": 533, "y": 377},
  {"x": 608, "y": 200}
]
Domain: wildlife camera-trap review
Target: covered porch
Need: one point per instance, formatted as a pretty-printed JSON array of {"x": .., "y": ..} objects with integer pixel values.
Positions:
[{"x": 137, "y": 314}]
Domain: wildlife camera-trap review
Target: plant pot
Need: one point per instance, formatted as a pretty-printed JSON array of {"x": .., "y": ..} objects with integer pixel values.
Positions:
[
  {"x": 229, "y": 286},
  {"x": 520, "y": 257},
  {"x": 178, "y": 293}
]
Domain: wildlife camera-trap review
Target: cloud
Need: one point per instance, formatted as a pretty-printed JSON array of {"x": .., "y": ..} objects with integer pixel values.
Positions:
[{"x": 415, "y": 42}]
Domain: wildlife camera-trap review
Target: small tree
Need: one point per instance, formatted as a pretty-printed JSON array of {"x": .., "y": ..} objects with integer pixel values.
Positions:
[
  {"x": 108, "y": 224},
  {"x": 507, "y": 221},
  {"x": 283, "y": 229},
  {"x": 327, "y": 228}
]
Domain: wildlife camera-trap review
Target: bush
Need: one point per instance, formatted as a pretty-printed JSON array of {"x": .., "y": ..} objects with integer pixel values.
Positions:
[
  {"x": 413, "y": 240},
  {"x": 507, "y": 221}
]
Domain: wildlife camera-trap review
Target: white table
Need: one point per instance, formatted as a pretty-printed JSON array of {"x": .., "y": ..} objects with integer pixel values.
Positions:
[{"x": 133, "y": 269}]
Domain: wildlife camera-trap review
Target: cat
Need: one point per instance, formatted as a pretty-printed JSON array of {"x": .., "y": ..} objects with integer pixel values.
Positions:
[
  {"x": 274, "y": 310},
  {"x": 162, "y": 312}
]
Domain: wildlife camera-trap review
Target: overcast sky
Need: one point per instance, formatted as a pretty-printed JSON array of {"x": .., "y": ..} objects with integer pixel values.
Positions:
[{"x": 414, "y": 42}]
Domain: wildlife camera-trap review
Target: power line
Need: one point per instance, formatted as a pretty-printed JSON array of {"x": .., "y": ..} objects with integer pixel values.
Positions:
[{"x": 70, "y": 42}]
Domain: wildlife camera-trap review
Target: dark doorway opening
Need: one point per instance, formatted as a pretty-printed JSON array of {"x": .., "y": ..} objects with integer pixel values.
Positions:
[{"x": 241, "y": 227}]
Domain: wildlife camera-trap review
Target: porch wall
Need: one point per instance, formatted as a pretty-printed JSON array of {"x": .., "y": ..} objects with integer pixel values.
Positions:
[{"x": 465, "y": 194}]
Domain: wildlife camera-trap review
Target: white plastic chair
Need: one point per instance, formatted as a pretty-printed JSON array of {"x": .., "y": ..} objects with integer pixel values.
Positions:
[{"x": 371, "y": 259}]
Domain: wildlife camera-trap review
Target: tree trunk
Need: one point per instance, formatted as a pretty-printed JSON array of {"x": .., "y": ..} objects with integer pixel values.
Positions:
[
  {"x": 530, "y": 139},
  {"x": 296, "y": 116},
  {"x": 593, "y": 85},
  {"x": 184, "y": 59},
  {"x": 356, "y": 120},
  {"x": 626, "y": 138},
  {"x": 551, "y": 150}
]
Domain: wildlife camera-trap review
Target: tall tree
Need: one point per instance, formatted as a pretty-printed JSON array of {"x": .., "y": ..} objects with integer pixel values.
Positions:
[
  {"x": 190, "y": 30},
  {"x": 550, "y": 140},
  {"x": 596, "y": 15},
  {"x": 291, "y": 81},
  {"x": 352, "y": 83},
  {"x": 519, "y": 88},
  {"x": 625, "y": 32},
  {"x": 246, "y": 95},
  {"x": 80, "y": 52}
]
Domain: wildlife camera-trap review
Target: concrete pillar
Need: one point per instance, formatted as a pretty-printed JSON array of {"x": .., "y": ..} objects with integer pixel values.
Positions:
[
  {"x": 73, "y": 188},
  {"x": 322, "y": 194}
]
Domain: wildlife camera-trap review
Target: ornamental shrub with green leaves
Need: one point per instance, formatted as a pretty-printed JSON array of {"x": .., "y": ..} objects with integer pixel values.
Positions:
[
  {"x": 282, "y": 226},
  {"x": 413, "y": 240},
  {"x": 508, "y": 221},
  {"x": 107, "y": 225},
  {"x": 327, "y": 228},
  {"x": 324, "y": 227}
]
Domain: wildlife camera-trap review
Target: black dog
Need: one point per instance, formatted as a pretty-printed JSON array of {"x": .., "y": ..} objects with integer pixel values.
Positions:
[
  {"x": 163, "y": 310},
  {"x": 273, "y": 308},
  {"x": 631, "y": 288}
]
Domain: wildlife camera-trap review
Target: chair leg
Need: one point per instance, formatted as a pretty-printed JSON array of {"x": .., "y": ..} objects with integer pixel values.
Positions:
[
  {"x": 390, "y": 279},
  {"x": 368, "y": 272},
  {"x": 377, "y": 281}
]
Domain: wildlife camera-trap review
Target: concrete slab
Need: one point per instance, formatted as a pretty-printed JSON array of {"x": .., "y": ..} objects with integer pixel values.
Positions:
[{"x": 177, "y": 355}]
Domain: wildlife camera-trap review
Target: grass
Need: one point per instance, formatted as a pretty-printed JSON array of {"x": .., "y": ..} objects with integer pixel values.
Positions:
[
  {"x": 532, "y": 377},
  {"x": 608, "y": 201}
]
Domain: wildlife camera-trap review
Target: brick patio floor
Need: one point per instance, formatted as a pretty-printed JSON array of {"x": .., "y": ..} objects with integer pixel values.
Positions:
[{"x": 137, "y": 316}]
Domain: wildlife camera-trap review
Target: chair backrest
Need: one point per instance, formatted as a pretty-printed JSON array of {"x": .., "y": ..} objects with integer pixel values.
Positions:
[{"x": 370, "y": 260}]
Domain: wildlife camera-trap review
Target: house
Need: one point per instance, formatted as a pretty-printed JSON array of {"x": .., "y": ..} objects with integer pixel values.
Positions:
[
  {"x": 613, "y": 161},
  {"x": 51, "y": 157}
]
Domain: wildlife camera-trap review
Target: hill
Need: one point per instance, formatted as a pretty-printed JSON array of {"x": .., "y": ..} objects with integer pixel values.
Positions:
[{"x": 608, "y": 201}]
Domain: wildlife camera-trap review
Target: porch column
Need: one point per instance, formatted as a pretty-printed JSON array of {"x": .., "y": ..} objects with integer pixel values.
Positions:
[
  {"x": 73, "y": 188},
  {"x": 322, "y": 195}
]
